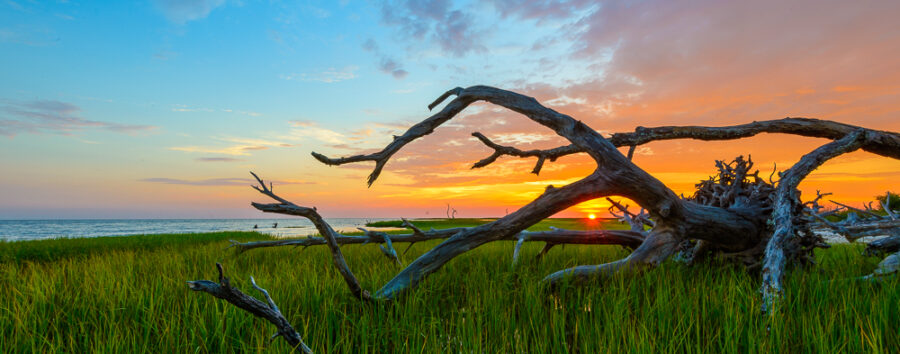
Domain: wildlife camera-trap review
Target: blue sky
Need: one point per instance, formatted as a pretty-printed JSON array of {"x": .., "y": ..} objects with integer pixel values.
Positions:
[{"x": 159, "y": 108}]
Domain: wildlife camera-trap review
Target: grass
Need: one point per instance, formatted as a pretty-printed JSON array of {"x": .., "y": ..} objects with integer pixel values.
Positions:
[{"x": 128, "y": 295}]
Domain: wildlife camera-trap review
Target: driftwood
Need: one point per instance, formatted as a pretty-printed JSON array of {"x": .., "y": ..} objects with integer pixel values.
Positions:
[
  {"x": 627, "y": 238},
  {"x": 266, "y": 310},
  {"x": 866, "y": 222},
  {"x": 736, "y": 214}
]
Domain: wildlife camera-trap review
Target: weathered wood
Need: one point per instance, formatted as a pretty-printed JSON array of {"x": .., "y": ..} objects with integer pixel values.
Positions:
[
  {"x": 885, "y": 245},
  {"x": 730, "y": 213},
  {"x": 269, "y": 312},
  {"x": 287, "y": 207},
  {"x": 636, "y": 221},
  {"x": 659, "y": 245},
  {"x": 626, "y": 238},
  {"x": 787, "y": 204},
  {"x": 890, "y": 265},
  {"x": 883, "y": 143}
]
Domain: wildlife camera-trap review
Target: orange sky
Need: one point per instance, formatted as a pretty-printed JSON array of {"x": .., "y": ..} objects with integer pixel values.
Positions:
[{"x": 614, "y": 66}]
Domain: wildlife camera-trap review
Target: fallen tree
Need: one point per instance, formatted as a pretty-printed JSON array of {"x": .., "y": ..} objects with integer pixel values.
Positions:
[{"x": 735, "y": 215}]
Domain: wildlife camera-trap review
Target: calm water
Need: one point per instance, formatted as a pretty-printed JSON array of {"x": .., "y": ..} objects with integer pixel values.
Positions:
[{"x": 14, "y": 230}]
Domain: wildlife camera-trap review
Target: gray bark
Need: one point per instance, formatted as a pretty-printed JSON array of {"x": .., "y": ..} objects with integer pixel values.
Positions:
[
  {"x": 730, "y": 213},
  {"x": 786, "y": 205},
  {"x": 265, "y": 310}
]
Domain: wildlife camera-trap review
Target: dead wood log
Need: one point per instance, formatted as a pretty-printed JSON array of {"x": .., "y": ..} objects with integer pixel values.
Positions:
[
  {"x": 734, "y": 213},
  {"x": 885, "y": 245},
  {"x": 627, "y": 238},
  {"x": 786, "y": 208},
  {"x": 268, "y": 310}
]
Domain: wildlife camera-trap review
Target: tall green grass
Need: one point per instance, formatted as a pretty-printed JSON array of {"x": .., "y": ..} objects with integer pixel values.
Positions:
[{"x": 126, "y": 298}]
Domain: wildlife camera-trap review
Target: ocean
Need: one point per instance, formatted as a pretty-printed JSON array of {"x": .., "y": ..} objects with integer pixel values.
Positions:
[{"x": 17, "y": 230}]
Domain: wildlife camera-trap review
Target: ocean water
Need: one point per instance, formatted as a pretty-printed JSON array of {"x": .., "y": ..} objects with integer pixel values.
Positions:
[{"x": 16, "y": 230}]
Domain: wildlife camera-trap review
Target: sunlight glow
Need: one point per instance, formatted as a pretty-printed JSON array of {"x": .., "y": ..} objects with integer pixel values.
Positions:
[{"x": 592, "y": 216}]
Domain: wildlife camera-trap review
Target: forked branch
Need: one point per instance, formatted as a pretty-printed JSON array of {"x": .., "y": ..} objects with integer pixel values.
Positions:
[{"x": 265, "y": 310}]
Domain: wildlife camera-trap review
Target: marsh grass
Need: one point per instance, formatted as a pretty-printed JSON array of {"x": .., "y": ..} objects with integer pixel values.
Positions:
[{"x": 130, "y": 296}]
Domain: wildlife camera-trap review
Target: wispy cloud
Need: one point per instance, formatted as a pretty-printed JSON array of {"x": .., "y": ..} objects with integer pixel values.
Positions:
[
  {"x": 240, "y": 146},
  {"x": 30, "y": 36},
  {"x": 389, "y": 66},
  {"x": 189, "y": 108},
  {"x": 14, "y": 5},
  {"x": 186, "y": 108},
  {"x": 183, "y": 11},
  {"x": 452, "y": 29},
  {"x": 330, "y": 75},
  {"x": 236, "y": 150},
  {"x": 386, "y": 64},
  {"x": 521, "y": 138},
  {"x": 217, "y": 181},
  {"x": 54, "y": 117},
  {"x": 246, "y": 113},
  {"x": 218, "y": 159},
  {"x": 307, "y": 129}
]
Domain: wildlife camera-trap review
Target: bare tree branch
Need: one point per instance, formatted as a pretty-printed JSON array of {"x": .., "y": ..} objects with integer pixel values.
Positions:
[
  {"x": 786, "y": 204},
  {"x": 883, "y": 143},
  {"x": 626, "y": 238},
  {"x": 269, "y": 312},
  {"x": 636, "y": 221},
  {"x": 500, "y": 150},
  {"x": 286, "y": 207},
  {"x": 866, "y": 212},
  {"x": 616, "y": 175}
]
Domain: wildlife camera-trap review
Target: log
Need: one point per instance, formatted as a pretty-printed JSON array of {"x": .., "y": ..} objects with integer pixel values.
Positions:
[{"x": 736, "y": 213}]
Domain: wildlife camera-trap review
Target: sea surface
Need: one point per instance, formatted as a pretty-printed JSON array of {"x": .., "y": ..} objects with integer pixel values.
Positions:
[{"x": 17, "y": 230}]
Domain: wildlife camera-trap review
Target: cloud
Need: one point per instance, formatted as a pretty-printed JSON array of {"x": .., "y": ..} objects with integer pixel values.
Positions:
[
  {"x": 217, "y": 181},
  {"x": 386, "y": 64},
  {"x": 521, "y": 138},
  {"x": 54, "y": 117},
  {"x": 389, "y": 66},
  {"x": 217, "y": 159},
  {"x": 15, "y": 5},
  {"x": 236, "y": 150},
  {"x": 164, "y": 55},
  {"x": 242, "y": 146},
  {"x": 183, "y": 11},
  {"x": 453, "y": 30},
  {"x": 307, "y": 129},
  {"x": 370, "y": 45},
  {"x": 30, "y": 35},
  {"x": 186, "y": 108},
  {"x": 330, "y": 75},
  {"x": 541, "y": 10}
]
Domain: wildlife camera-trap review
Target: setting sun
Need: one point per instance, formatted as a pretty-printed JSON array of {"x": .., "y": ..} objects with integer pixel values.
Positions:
[{"x": 592, "y": 216}]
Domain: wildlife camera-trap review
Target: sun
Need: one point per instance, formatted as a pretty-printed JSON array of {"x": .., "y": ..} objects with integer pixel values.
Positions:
[{"x": 592, "y": 216}]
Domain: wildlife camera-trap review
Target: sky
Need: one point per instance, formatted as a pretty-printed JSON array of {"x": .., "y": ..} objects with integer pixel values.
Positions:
[{"x": 159, "y": 109}]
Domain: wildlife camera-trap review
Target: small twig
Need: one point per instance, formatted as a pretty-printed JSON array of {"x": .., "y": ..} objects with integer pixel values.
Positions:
[{"x": 856, "y": 209}]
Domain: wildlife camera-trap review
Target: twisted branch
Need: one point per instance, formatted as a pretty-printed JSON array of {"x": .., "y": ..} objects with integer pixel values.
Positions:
[
  {"x": 883, "y": 143},
  {"x": 786, "y": 205}
]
